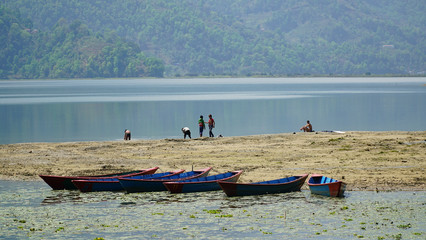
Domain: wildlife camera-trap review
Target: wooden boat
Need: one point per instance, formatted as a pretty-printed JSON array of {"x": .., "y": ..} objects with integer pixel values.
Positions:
[
  {"x": 202, "y": 184},
  {"x": 326, "y": 186},
  {"x": 64, "y": 182},
  {"x": 112, "y": 184},
  {"x": 282, "y": 185},
  {"x": 154, "y": 185}
]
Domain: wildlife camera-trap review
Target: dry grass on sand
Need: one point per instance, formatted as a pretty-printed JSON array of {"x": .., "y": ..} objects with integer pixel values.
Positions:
[{"x": 365, "y": 160}]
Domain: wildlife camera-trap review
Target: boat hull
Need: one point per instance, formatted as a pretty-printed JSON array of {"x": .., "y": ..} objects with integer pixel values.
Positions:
[
  {"x": 65, "y": 182},
  {"x": 156, "y": 185},
  {"x": 204, "y": 184},
  {"x": 98, "y": 185},
  {"x": 293, "y": 183},
  {"x": 326, "y": 186}
]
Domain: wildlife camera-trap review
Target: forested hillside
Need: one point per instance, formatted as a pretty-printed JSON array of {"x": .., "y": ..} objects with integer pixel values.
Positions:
[
  {"x": 248, "y": 37},
  {"x": 67, "y": 51}
]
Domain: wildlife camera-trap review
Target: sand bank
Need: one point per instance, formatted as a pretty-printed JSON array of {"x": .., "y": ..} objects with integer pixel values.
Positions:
[{"x": 365, "y": 160}]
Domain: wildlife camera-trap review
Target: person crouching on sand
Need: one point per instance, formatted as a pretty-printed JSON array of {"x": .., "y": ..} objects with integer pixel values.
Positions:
[
  {"x": 307, "y": 127},
  {"x": 127, "y": 134},
  {"x": 186, "y": 132}
]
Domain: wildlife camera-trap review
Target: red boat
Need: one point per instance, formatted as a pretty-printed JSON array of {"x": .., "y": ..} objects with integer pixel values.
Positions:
[
  {"x": 202, "y": 184},
  {"x": 65, "y": 182},
  {"x": 154, "y": 185}
]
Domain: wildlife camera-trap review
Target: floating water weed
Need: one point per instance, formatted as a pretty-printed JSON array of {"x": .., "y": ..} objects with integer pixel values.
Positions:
[
  {"x": 213, "y": 211},
  {"x": 158, "y": 214},
  {"x": 192, "y": 216},
  {"x": 404, "y": 226},
  {"x": 227, "y": 215}
]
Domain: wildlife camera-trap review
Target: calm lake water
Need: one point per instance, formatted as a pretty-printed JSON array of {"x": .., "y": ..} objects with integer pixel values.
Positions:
[
  {"x": 31, "y": 210},
  {"x": 98, "y": 110}
]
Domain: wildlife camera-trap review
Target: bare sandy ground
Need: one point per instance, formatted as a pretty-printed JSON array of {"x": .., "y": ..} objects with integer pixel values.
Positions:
[{"x": 379, "y": 161}]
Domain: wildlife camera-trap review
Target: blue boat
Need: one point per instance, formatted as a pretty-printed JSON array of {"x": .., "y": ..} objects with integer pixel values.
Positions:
[
  {"x": 326, "y": 186},
  {"x": 154, "y": 185},
  {"x": 202, "y": 184},
  {"x": 283, "y": 185},
  {"x": 112, "y": 184}
]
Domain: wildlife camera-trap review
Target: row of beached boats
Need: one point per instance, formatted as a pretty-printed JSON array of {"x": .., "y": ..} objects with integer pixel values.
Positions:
[{"x": 180, "y": 181}]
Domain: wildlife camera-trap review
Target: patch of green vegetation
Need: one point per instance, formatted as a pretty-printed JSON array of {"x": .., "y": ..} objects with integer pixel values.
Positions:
[
  {"x": 212, "y": 211},
  {"x": 396, "y": 237},
  {"x": 404, "y": 226},
  {"x": 335, "y": 139},
  {"x": 158, "y": 214},
  {"x": 192, "y": 216},
  {"x": 345, "y": 148},
  {"x": 225, "y": 215}
]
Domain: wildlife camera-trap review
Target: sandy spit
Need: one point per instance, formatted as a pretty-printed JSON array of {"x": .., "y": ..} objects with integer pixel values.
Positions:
[{"x": 379, "y": 161}]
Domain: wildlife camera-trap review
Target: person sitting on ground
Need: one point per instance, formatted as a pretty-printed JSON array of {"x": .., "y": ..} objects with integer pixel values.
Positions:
[
  {"x": 307, "y": 127},
  {"x": 127, "y": 134},
  {"x": 186, "y": 132}
]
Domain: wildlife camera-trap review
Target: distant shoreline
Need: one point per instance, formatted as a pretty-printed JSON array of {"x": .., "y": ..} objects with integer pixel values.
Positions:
[
  {"x": 238, "y": 76},
  {"x": 379, "y": 161}
]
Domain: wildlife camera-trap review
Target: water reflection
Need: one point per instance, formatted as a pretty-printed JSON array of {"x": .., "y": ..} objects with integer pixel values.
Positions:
[{"x": 60, "y": 196}]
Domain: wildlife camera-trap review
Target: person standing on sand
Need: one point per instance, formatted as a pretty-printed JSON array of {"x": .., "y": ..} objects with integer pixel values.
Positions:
[
  {"x": 307, "y": 127},
  {"x": 211, "y": 125},
  {"x": 186, "y": 132},
  {"x": 127, "y": 134},
  {"x": 201, "y": 125}
]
